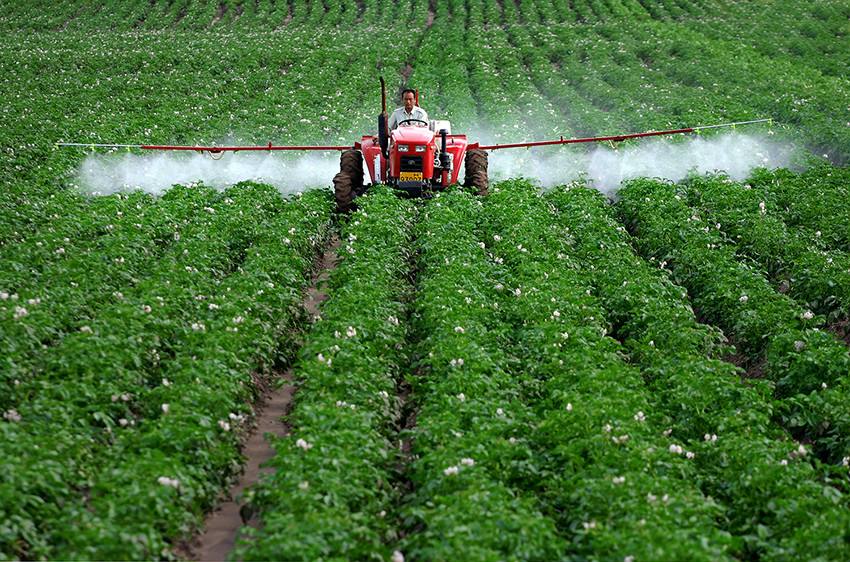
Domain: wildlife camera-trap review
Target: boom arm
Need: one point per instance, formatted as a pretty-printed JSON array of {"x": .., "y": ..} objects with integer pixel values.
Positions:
[
  {"x": 272, "y": 147},
  {"x": 614, "y": 138},
  {"x": 210, "y": 149}
]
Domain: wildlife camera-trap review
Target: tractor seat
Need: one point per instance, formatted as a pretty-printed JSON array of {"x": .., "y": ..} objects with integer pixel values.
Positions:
[{"x": 437, "y": 124}]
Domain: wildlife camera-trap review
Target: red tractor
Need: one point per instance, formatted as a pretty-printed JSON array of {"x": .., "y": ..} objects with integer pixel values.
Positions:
[{"x": 416, "y": 158}]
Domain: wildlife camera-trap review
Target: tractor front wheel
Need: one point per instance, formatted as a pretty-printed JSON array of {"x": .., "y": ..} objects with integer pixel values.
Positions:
[
  {"x": 476, "y": 171},
  {"x": 348, "y": 183}
]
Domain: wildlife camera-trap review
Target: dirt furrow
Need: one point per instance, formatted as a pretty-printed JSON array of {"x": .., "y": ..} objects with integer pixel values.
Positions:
[{"x": 218, "y": 537}]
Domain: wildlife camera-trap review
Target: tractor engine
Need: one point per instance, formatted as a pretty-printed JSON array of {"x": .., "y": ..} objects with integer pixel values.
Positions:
[
  {"x": 415, "y": 162},
  {"x": 417, "y": 159}
]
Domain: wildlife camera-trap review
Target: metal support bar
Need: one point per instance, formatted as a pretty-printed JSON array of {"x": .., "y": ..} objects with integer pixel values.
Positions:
[{"x": 613, "y": 138}]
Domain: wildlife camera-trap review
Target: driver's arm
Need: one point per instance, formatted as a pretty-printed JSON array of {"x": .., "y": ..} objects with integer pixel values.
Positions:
[{"x": 393, "y": 121}]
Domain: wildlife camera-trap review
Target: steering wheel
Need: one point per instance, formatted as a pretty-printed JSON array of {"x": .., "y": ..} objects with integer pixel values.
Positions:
[{"x": 400, "y": 123}]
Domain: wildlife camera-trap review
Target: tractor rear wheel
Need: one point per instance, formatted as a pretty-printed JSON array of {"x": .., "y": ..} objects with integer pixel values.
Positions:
[
  {"x": 476, "y": 171},
  {"x": 348, "y": 183},
  {"x": 351, "y": 163},
  {"x": 343, "y": 193}
]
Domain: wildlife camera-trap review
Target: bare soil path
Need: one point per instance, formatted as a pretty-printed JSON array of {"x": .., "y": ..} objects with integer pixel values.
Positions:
[{"x": 221, "y": 526}]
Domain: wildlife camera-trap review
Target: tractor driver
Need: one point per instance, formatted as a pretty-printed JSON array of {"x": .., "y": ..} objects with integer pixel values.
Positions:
[{"x": 409, "y": 111}]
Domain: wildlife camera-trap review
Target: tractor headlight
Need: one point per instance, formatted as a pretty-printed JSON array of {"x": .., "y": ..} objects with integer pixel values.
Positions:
[
  {"x": 420, "y": 148},
  {"x": 403, "y": 148}
]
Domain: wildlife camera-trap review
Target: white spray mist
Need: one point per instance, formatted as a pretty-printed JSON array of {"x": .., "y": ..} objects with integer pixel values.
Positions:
[
  {"x": 605, "y": 168},
  {"x": 156, "y": 172}
]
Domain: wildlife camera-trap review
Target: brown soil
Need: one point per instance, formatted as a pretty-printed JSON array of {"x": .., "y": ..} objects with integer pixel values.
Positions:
[
  {"x": 180, "y": 15},
  {"x": 406, "y": 422},
  {"x": 316, "y": 292},
  {"x": 222, "y": 8},
  {"x": 753, "y": 369},
  {"x": 218, "y": 537},
  {"x": 221, "y": 526},
  {"x": 74, "y": 16},
  {"x": 841, "y": 329}
]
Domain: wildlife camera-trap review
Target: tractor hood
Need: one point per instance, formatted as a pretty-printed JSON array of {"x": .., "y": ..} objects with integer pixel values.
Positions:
[{"x": 413, "y": 135}]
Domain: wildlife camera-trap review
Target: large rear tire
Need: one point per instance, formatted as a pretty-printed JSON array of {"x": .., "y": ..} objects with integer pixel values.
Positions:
[
  {"x": 348, "y": 183},
  {"x": 351, "y": 163},
  {"x": 343, "y": 193},
  {"x": 476, "y": 171}
]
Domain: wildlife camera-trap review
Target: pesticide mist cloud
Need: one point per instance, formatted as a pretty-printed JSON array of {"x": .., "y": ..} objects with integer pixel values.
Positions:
[
  {"x": 155, "y": 173},
  {"x": 606, "y": 168},
  {"x": 602, "y": 166}
]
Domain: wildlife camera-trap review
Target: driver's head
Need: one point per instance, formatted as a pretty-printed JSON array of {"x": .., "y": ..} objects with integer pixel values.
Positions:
[{"x": 408, "y": 97}]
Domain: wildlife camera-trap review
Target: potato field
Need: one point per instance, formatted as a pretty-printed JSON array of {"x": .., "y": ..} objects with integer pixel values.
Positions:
[{"x": 656, "y": 370}]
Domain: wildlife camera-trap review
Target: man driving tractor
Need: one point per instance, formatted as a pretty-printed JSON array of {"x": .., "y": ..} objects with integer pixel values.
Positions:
[{"x": 409, "y": 111}]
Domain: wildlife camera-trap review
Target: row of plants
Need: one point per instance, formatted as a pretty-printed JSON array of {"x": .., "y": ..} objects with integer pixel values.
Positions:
[
  {"x": 808, "y": 33},
  {"x": 465, "y": 69},
  {"x": 815, "y": 201},
  {"x": 64, "y": 416},
  {"x": 515, "y": 109},
  {"x": 194, "y": 15},
  {"x": 24, "y": 257},
  {"x": 793, "y": 260},
  {"x": 155, "y": 483},
  {"x": 808, "y": 99},
  {"x": 619, "y": 485},
  {"x": 779, "y": 339},
  {"x": 613, "y": 84},
  {"x": 331, "y": 494},
  {"x": 544, "y": 52},
  {"x": 445, "y": 91},
  {"x": 468, "y": 452},
  {"x": 270, "y": 15},
  {"x": 235, "y": 87},
  {"x": 68, "y": 293},
  {"x": 744, "y": 460},
  {"x": 610, "y": 81}
]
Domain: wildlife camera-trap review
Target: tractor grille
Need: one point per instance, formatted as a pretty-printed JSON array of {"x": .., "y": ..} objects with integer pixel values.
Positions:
[{"x": 411, "y": 163}]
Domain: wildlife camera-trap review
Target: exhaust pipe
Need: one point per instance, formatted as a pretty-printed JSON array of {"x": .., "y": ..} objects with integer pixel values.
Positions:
[
  {"x": 383, "y": 122},
  {"x": 383, "y": 96}
]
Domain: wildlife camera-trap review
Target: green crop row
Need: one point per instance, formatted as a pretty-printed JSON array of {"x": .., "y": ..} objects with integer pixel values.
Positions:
[
  {"x": 156, "y": 483},
  {"x": 66, "y": 414},
  {"x": 68, "y": 294},
  {"x": 807, "y": 99},
  {"x": 468, "y": 452},
  {"x": 195, "y": 15},
  {"x": 816, "y": 201},
  {"x": 23, "y": 259},
  {"x": 332, "y": 486},
  {"x": 620, "y": 487},
  {"x": 743, "y": 459},
  {"x": 246, "y": 89},
  {"x": 818, "y": 278},
  {"x": 776, "y": 335},
  {"x": 803, "y": 32}
]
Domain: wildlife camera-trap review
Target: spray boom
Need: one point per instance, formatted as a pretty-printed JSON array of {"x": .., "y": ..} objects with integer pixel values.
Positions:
[
  {"x": 218, "y": 150},
  {"x": 614, "y": 138}
]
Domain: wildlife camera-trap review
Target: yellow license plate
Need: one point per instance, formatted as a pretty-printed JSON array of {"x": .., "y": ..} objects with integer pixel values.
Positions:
[{"x": 410, "y": 176}]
